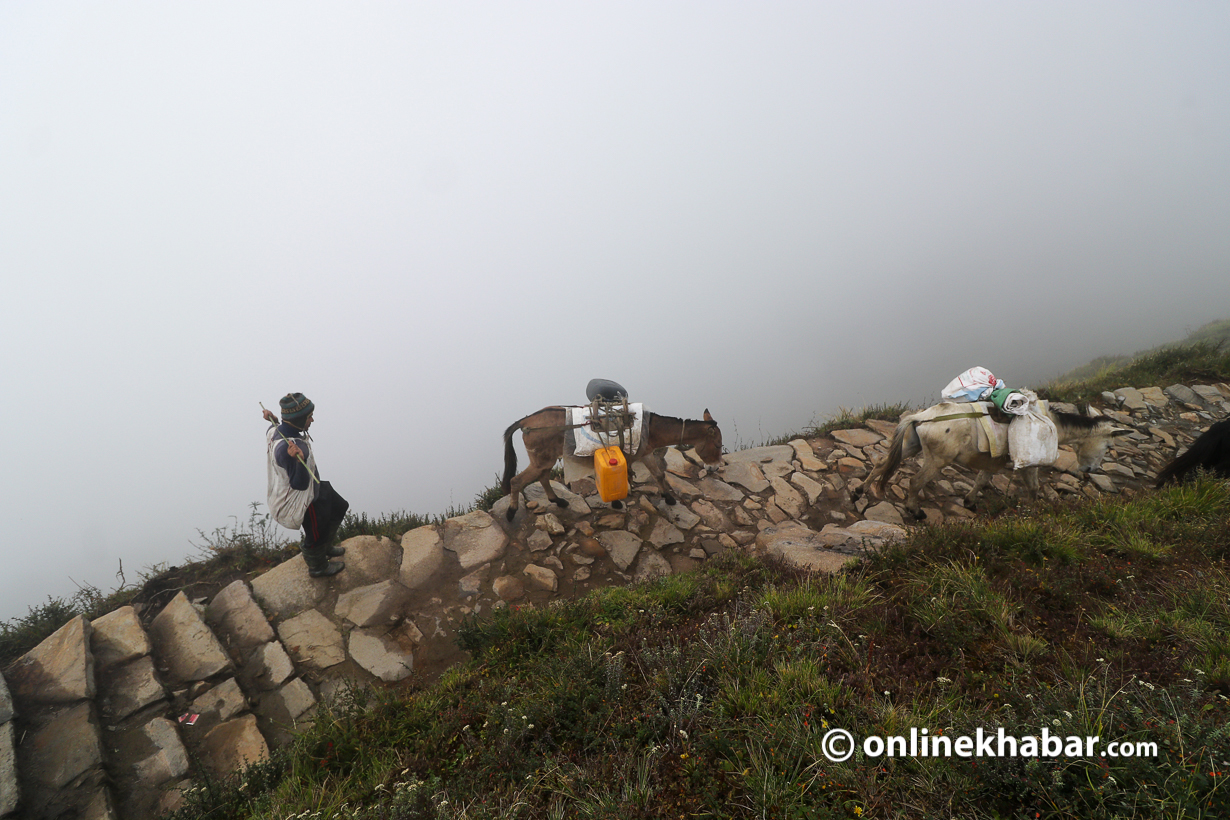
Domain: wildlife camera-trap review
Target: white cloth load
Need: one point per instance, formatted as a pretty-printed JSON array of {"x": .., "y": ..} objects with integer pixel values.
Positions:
[
  {"x": 588, "y": 439},
  {"x": 1032, "y": 438},
  {"x": 971, "y": 385}
]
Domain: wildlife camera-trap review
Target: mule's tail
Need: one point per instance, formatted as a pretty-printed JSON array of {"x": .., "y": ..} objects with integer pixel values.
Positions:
[
  {"x": 893, "y": 460},
  {"x": 510, "y": 457}
]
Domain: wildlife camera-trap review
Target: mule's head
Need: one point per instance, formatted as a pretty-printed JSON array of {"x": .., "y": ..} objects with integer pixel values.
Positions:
[
  {"x": 1091, "y": 449},
  {"x": 709, "y": 447}
]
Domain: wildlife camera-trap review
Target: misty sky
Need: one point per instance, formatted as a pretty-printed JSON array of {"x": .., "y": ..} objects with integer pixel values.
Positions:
[{"x": 435, "y": 218}]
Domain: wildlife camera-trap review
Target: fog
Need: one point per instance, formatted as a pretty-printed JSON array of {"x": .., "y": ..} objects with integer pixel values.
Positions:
[{"x": 434, "y": 219}]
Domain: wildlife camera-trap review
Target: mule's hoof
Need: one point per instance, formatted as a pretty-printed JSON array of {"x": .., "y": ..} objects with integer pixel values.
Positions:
[
  {"x": 617, "y": 505},
  {"x": 669, "y": 499},
  {"x": 920, "y": 516},
  {"x": 559, "y": 502},
  {"x": 510, "y": 514}
]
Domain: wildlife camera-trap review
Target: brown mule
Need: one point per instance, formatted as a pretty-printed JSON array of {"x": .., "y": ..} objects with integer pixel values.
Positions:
[{"x": 543, "y": 435}]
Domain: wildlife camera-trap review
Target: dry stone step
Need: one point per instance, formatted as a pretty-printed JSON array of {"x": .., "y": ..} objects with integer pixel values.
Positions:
[{"x": 185, "y": 645}]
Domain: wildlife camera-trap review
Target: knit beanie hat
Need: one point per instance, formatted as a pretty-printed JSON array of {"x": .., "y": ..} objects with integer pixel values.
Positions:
[{"x": 296, "y": 407}]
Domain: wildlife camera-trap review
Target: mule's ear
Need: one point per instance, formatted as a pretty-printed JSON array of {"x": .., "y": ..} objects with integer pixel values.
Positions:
[
  {"x": 1120, "y": 431},
  {"x": 707, "y": 416}
]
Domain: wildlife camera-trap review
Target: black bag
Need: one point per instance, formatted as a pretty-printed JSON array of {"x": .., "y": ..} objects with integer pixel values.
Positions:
[{"x": 605, "y": 390}]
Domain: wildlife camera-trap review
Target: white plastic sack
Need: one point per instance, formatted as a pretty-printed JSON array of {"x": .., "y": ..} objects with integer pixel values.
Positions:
[
  {"x": 971, "y": 385},
  {"x": 1033, "y": 440}
]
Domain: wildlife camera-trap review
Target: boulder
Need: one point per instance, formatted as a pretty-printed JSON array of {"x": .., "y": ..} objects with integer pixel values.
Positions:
[
  {"x": 369, "y": 560},
  {"x": 58, "y": 670},
  {"x": 380, "y": 603},
  {"x": 61, "y": 749},
  {"x": 6, "y": 702},
  {"x": 857, "y": 437},
  {"x": 232, "y": 746},
  {"x": 186, "y": 647},
  {"x": 118, "y": 637},
  {"x": 746, "y": 474},
  {"x": 220, "y": 704},
  {"x": 422, "y": 555},
  {"x": 761, "y": 455},
  {"x": 650, "y": 567},
  {"x": 268, "y": 666},
  {"x": 129, "y": 688},
  {"x": 799, "y": 545},
  {"x": 10, "y": 792},
  {"x": 717, "y": 490},
  {"x": 622, "y": 546},
  {"x": 287, "y": 589},
  {"x": 234, "y": 615},
  {"x": 541, "y": 577},
  {"x": 475, "y": 539},
  {"x": 312, "y": 640},
  {"x": 387, "y": 655},
  {"x": 508, "y": 588}
]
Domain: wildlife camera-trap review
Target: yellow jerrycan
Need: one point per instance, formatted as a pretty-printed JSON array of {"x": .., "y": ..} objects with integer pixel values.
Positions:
[{"x": 611, "y": 470}]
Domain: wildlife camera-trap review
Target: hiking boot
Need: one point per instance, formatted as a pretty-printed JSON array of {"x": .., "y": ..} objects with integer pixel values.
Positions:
[
  {"x": 329, "y": 568},
  {"x": 335, "y": 552}
]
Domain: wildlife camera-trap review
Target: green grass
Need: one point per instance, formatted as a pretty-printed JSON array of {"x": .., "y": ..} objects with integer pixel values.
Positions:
[
  {"x": 709, "y": 694},
  {"x": 1199, "y": 362}
]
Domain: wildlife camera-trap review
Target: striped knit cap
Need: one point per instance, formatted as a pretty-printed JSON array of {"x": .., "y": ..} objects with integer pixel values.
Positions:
[{"x": 296, "y": 406}]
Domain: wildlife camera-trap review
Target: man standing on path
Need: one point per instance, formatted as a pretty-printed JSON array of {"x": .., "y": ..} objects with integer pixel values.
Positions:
[{"x": 297, "y": 497}]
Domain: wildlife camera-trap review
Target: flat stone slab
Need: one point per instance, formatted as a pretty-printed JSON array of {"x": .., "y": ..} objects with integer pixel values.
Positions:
[
  {"x": 378, "y": 604},
  {"x": 1184, "y": 394},
  {"x": 761, "y": 455},
  {"x": 860, "y": 535},
  {"x": 1154, "y": 396},
  {"x": 718, "y": 490},
  {"x": 859, "y": 437},
  {"x": 884, "y": 512},
  {"x": 313, "y": 640},
  {"x": 651, "y": 567},
  {"x": 387, "y": 655},
  {"x": 422, "y": 555},
  {"x": 235, "y": 616},
  {"x": 185, "y": 645},
  {"x": 621, "y": 545},
  {"x": 287, "y": 589},
  {"x": 475, "y": 538},
  {"x": 58, "y": 670},
  {"x": 118, "y": 637},
  {"x": 665, "y": 533},
  {"x": 746, "y": 474},
  {"x": 799, "y": 545},
  {"x": 787, "y": 498},
  {"x": 576, "y": 504}
]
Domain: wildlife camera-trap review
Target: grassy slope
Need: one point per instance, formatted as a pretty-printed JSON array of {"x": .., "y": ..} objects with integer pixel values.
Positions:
[{"x": 709, "y": 694}]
